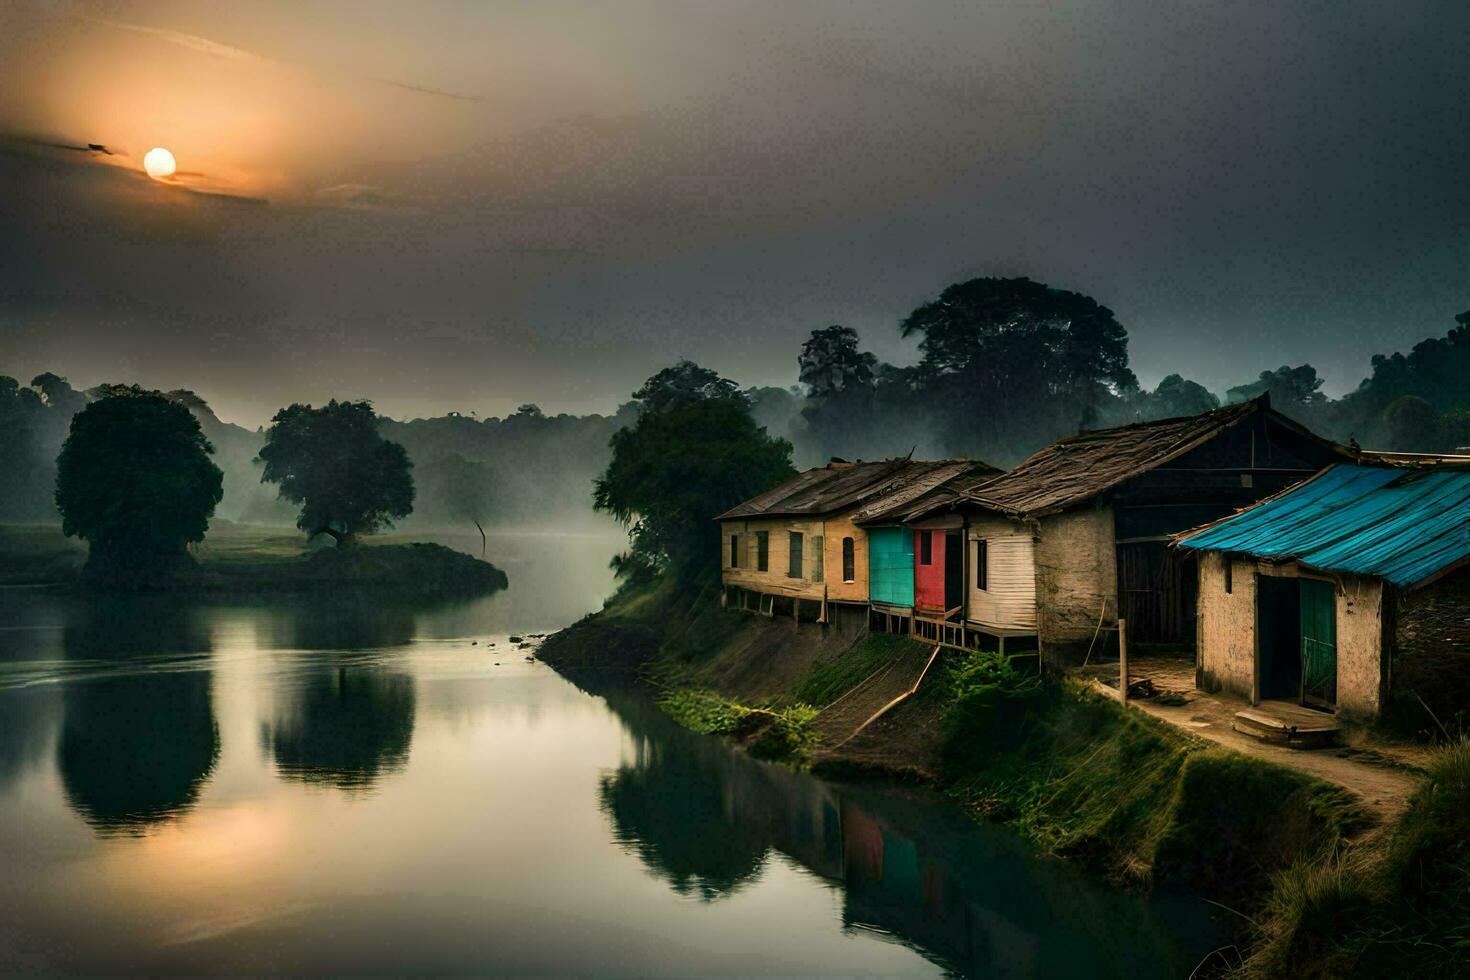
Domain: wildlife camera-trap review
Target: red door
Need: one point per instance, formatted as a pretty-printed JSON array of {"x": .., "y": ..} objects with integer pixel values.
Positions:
[{"x": 929, "y": 571}]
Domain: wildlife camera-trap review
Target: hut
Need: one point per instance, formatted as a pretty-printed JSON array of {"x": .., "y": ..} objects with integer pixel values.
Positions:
[
  {"x": 796, "y": 549},
  {"x": 1077, "y": 535},
  {"x": 1342, "y": 591}
]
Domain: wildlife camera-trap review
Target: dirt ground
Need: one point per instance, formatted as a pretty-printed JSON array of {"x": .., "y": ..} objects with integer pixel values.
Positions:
[{"x": 1383, "y": 776}]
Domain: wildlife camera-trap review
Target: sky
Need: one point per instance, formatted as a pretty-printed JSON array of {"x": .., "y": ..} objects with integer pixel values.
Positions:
[{"x": 466, "y": 206}]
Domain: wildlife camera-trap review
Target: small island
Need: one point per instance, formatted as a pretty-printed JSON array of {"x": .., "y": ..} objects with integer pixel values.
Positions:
[{"x": 136, "y": 482}]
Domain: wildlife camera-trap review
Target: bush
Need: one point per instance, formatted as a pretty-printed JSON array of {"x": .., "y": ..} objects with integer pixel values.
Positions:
[
  {"x": 991, "y": 702},
  {"x": 702, "y": 711}
]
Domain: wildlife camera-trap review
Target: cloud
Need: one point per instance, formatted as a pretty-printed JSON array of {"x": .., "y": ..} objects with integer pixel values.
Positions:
[{"x": 229, "y": 52}]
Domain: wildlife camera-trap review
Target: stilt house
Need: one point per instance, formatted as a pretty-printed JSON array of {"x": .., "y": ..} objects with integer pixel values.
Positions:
[
  {"x": 1078, "y": 534},
  {"x": 796, "y": 549},
  {"x": 1342, "y": 592}
]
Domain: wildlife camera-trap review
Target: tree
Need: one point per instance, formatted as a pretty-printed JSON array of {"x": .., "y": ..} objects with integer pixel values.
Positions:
[
  {"x": 694, "y": 453},
  {"x": 683, "y": 384},
  {"x": 135, "y": 480},
  {"x": 831, "y": 363},
  {"x": 1013, "y": 362},
  {"x": 332, "y": 461},
  {"x": 1290, "y": 388}
]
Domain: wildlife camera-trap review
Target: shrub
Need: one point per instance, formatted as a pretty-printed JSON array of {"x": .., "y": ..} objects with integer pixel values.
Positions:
[{"x": 991, "y": 700}]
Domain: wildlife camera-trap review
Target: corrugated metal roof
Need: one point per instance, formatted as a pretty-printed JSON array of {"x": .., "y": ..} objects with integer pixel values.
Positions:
[
  {"x": 1405, "y": 525},
  {"x": 840, "y": 486}
]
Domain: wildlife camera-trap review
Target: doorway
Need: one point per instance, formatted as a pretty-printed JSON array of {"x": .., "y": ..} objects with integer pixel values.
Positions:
[
  {"x": 1296, "y": 635},
  {"x": 954, "y": 572}
]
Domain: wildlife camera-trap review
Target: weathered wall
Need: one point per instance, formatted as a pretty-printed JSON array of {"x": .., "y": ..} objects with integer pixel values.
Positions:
[
  {"x": 1226, "y": 625},
  {"x": 834, "y": 529},
  {"x": 1076, "y": 570},
  {"x": 1227, "y": 632},
  {"x": 1009, "y": 602},
  {"x": 1359, "y": 646},
  {"x": 774, "y": 580},
  {"x": 1431, "y": 638}
]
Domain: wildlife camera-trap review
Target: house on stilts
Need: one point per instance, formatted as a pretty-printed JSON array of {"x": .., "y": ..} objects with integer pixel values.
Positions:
[
  {"x": 1346, "y": 592},
  {"x": 797, "y": 551},
  {"x": 1078, "y": 535}
]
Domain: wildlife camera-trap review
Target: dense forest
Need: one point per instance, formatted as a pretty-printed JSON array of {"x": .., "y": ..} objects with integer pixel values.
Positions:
[{"x": 1006, "y": 365}]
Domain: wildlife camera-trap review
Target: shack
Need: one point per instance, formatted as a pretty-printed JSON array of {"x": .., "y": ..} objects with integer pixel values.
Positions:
[
  {"x": 1343, "y": 592},
  {"x": 795, "y": 549},
  {"x": 1078, "y": 534}
]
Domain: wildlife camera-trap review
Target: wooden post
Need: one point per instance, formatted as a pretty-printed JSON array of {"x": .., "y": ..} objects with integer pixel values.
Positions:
[{"x": 1123, "y": 661}]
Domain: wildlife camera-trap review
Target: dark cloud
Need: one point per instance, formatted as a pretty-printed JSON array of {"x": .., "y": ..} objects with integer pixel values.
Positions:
[{"x": 1245, "y": 185}]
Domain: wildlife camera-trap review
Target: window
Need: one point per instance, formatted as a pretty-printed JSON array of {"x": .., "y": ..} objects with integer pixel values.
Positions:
[
  {"x": 762, "y": 551},
  {"x": 817, "y": 558},
  {"x": 793, "y": 567},
  {"x": 849, "y": 562},
  {"x": 982, "y": 565},
  {"x": 926, "y": 548},
  {"x": 1229, "y": 577},
  {"x": 734, "y": 551}
]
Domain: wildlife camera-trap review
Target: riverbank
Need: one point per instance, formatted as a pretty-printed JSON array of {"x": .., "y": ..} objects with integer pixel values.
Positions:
[
  {"x": 242, "y": 559},
  {"x": 1140, "y": 801}
]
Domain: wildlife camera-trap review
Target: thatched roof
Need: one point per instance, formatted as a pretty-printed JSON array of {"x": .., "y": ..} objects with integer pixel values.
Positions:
[
  {"x": 841, "y": 486},
  {"x": 1072, "y": 471}
]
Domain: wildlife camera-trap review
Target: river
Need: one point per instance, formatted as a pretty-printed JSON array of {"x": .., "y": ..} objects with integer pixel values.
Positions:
[{"x": 363, "y": 787}]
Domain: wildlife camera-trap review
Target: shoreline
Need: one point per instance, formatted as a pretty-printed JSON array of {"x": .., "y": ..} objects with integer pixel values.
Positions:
[{"x": 1136, "y": 800}]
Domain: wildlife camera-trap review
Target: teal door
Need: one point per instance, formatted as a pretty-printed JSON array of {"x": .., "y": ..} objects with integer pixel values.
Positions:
[
  {"x": 891, "y": 566},
  {"x": 1319, "y": 643}
]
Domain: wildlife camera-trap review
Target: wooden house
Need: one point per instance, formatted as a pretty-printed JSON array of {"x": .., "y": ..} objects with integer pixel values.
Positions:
[
  {"x": 1077, "y": 535},
  {"x": 796, "y": 549},
  {"x": 1342, "y": 591}
]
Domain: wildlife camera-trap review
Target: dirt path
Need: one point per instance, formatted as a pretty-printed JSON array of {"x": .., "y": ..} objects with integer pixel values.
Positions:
[{"x": 1383, "y": 779}]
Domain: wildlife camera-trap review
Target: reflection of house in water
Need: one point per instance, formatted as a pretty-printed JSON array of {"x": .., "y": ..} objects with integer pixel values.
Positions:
[
  {"x": 912, "y": 870},
  {"x": 344, "y": 727},
  {"x": 136, "y": 746}
]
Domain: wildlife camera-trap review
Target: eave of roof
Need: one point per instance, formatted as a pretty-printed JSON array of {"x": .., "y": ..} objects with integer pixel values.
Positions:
[
  {"x": 1072, "y": 471},
  {"x": 1405, "y": 524}
]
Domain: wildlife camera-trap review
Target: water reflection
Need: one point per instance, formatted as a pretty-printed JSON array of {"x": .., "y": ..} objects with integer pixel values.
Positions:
[
  {"x": 970, "y": 898},
  {"x": 343, "y": 727},
  {"x": 138, "y": 739}
]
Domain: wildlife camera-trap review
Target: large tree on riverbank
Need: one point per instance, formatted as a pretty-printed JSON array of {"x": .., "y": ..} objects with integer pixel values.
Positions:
[
  {"x": 694, "y": 453},
  {"x": 332, "y": 461},
  {"x": 135, "y": 480}
]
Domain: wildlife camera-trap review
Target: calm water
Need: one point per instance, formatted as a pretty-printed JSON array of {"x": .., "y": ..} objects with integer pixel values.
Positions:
[{"x": 221, "y": 787}]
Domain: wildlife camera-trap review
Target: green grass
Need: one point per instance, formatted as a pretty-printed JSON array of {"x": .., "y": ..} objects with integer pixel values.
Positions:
[
  {"x": 252, "y": 558},
  {"x": 1085, "y": 778},
  {"x": 783, "y": 733},
  {"x": 830, "y": 679},
  {"x": 1401, "y": 910},
  {"x": 702, "y": 711}
]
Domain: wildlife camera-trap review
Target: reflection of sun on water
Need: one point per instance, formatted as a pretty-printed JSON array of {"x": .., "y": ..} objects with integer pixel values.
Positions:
[{"x": 159, "y": 163}]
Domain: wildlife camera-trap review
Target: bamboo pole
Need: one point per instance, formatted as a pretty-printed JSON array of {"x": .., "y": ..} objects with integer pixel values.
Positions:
[{"x": 1123, "y": 661}]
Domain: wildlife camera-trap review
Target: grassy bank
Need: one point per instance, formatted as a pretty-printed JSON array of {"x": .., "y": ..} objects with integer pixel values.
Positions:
[
  {"x": 1317, "y": 890},
  {"x": 239, "y": 558}
]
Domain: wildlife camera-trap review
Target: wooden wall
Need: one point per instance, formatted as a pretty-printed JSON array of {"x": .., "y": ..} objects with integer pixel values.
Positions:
[
  {"x": 1009, "y": 602},
  {"x": 821, "y": 553}
]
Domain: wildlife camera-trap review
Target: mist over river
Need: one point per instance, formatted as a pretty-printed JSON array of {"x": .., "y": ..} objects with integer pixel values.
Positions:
[{"x": 353, "y": 785}]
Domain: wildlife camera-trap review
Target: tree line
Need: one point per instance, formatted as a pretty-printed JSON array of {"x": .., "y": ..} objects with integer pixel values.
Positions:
[{"x": 1005, "y": 366}]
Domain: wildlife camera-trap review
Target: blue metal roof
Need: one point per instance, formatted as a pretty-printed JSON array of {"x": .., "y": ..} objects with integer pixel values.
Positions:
[{"x": 1403, "y": 525}]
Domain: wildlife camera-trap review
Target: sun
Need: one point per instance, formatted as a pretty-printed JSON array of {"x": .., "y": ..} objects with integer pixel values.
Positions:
[{"x": 159, "y": 163}]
